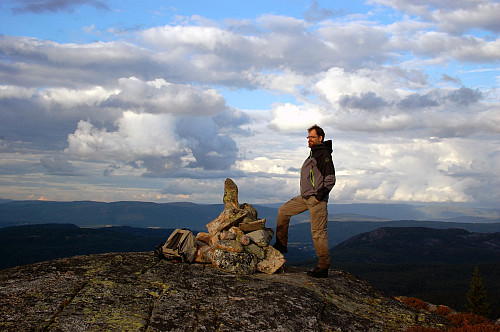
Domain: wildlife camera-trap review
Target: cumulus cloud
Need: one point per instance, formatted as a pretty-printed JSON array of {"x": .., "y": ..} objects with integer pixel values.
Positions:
[
  {"x": 289, "y": 117},
  {"x": 338, "y": 82},
  {"x": 231, "y": 120},
  {"x": 465, "y": 96},
  {"x": 211, "y": 150},
  {"x": 452, "y": 16},
  {"x": 137, "y": 136},
  {"x": 158, "y": 143},
  {"x": 160, "y": 96},
  {"x": 484, "y": 15},
  {"x": 384, "y": 168},
  {"x": 367, "y": 101},
  {"x": 418, "y": 101}
]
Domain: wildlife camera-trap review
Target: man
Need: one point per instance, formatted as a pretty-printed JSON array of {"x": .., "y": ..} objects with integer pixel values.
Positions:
[{"x": 317, "y": 178}]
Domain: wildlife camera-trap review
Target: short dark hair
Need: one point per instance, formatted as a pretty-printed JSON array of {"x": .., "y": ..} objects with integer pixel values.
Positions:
[{"x": 319, "y": 131}]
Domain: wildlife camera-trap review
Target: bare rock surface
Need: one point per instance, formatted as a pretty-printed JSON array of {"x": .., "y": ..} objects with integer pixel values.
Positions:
[{"x": 139, "y": 292}]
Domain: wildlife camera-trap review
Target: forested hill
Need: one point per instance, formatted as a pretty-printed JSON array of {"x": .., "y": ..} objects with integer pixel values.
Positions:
[{"x": 396, "y": 245}]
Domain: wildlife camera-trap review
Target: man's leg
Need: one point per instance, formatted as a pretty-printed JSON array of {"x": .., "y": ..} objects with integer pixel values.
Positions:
[
  {"x": 319, "y": 223},
  {"x": 291, "y": 208}
]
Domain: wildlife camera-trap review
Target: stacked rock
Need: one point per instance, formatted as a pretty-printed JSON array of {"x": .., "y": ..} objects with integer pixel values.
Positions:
[{"x": 237, "y": 241}]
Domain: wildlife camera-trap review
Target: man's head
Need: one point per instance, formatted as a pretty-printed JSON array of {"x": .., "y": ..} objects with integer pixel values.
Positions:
[{"x": 316, "y": 135}]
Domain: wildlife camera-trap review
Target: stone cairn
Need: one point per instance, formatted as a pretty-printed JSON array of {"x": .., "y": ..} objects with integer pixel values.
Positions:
[{"x": 237, "y": 241}]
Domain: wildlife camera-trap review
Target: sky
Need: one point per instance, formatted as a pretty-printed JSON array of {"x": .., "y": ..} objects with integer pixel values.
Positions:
[{"x": 161, "y": 101}]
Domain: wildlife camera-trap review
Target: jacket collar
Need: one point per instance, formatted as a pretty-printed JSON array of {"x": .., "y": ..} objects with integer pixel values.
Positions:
[{"x": 325, "y": 145}]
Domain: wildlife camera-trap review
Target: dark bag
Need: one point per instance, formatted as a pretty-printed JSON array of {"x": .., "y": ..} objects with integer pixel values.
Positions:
[{"x": 180, "y": 246}]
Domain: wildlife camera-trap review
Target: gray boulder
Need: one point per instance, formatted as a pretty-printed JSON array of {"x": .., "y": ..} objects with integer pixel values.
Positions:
[{"x": 261, "y": 237}]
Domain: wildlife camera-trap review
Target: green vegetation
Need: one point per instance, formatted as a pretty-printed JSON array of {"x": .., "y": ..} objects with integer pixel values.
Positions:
[{"x": 477, "y": 298}]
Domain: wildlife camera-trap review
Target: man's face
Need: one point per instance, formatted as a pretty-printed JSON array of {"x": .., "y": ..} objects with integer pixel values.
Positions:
[{"x": 313, "y": 138}]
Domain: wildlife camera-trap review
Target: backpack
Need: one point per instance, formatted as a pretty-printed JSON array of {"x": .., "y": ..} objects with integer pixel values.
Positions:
[{"x": 180, "y": 246}]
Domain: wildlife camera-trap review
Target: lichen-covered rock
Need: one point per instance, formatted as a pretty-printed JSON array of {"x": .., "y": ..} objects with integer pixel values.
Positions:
[
  {"x": 237, "y": 231},
  {"x": 203, "y": 237},
  {"x": 230, "y": 198},
  {"x": 272, "y": 262},
  {"x": 214, "y": 238},
  {"x": 251, "y": 211},
  {"x": 244, "y": 240},
  {"x": 227, "y": 235},
  {"x": 229, "y": 245},
  {"x": 227, "y": 219},
  {"x": 202, "y": 255},
  {"x": 139, "y": 292},
  {"x": 261, "y": 237},
  {"x": 259, "y": 252},
  {"x": 234, "y": 262},
  {"x": 250, "y": 226}
]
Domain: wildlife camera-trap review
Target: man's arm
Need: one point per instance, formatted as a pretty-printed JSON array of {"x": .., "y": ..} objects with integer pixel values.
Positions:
[{"x": 327, "y": 169}]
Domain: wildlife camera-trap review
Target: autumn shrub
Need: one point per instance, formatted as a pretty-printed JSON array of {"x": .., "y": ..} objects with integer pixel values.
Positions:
[
  {"x": 464, "y": 319},
  {"x": 415, "y": 303},
  {"x": 422, "y": 329},
  {"x": 476, "y": 328},
  {"x": 442, "y": 310}
]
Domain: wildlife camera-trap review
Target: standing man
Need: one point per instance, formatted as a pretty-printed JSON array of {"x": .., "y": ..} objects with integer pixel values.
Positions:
[{"x": 317, "y": 178}]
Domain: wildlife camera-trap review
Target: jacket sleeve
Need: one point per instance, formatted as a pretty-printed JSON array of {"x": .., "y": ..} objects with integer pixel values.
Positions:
[{"x": 327, "y": 169}]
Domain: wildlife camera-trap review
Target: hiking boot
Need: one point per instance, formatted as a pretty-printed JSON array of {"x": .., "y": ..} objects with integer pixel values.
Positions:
[
  {"x": 281, "y": 248},
  {"x": 318, "y": 273}
]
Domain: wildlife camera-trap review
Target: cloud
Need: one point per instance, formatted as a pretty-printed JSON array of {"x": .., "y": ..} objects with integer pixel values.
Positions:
[
  {"x": 157, "y": 143},
  {"x": 137, "y": 136},
  {"x": 462, "y": 48},
  {"x": 338, "y": 82},
  {"x": 40, "y": 6},
  {"x": 452, "y": 16},
  {"x": 465, "y": 96},
  {"x": 411, "y": 114},
  {"x": 317, "y": 13},
  {"x": 448, "y": 78},
  {"x": 57, "y": 166},
  {"x": 418, "y": 101},
  {"x": 289, "y": 117},
  {"x": 380, "y": 170},
  {"x": 211, "y": 150},
  {"x": 367, "y": 101},
  {"x": 231, "y": 120},
  {"x": 460, "y": 20},
  {"x": 160, "y": 96}
]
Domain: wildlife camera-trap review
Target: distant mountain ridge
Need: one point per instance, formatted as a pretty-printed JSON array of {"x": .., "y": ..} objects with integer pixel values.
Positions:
[
  {"x": 99, "y": 214},
  {"x": 402, "y": 211},
  {"x": 21, "y": 245},
  {"x": 395, "y": 245},
  {"x": 196, "y": 216}
]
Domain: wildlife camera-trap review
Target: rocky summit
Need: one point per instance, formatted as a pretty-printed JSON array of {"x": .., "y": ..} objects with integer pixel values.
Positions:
[{"x": 140, "y": 292}]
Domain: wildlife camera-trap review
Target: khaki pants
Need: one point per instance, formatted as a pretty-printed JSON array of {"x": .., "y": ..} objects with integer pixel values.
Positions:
[{"x": 319, "y": 221}]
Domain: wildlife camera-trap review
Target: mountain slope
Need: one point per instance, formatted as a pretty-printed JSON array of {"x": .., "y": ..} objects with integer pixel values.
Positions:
[{"x": 418, "y": 245}]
